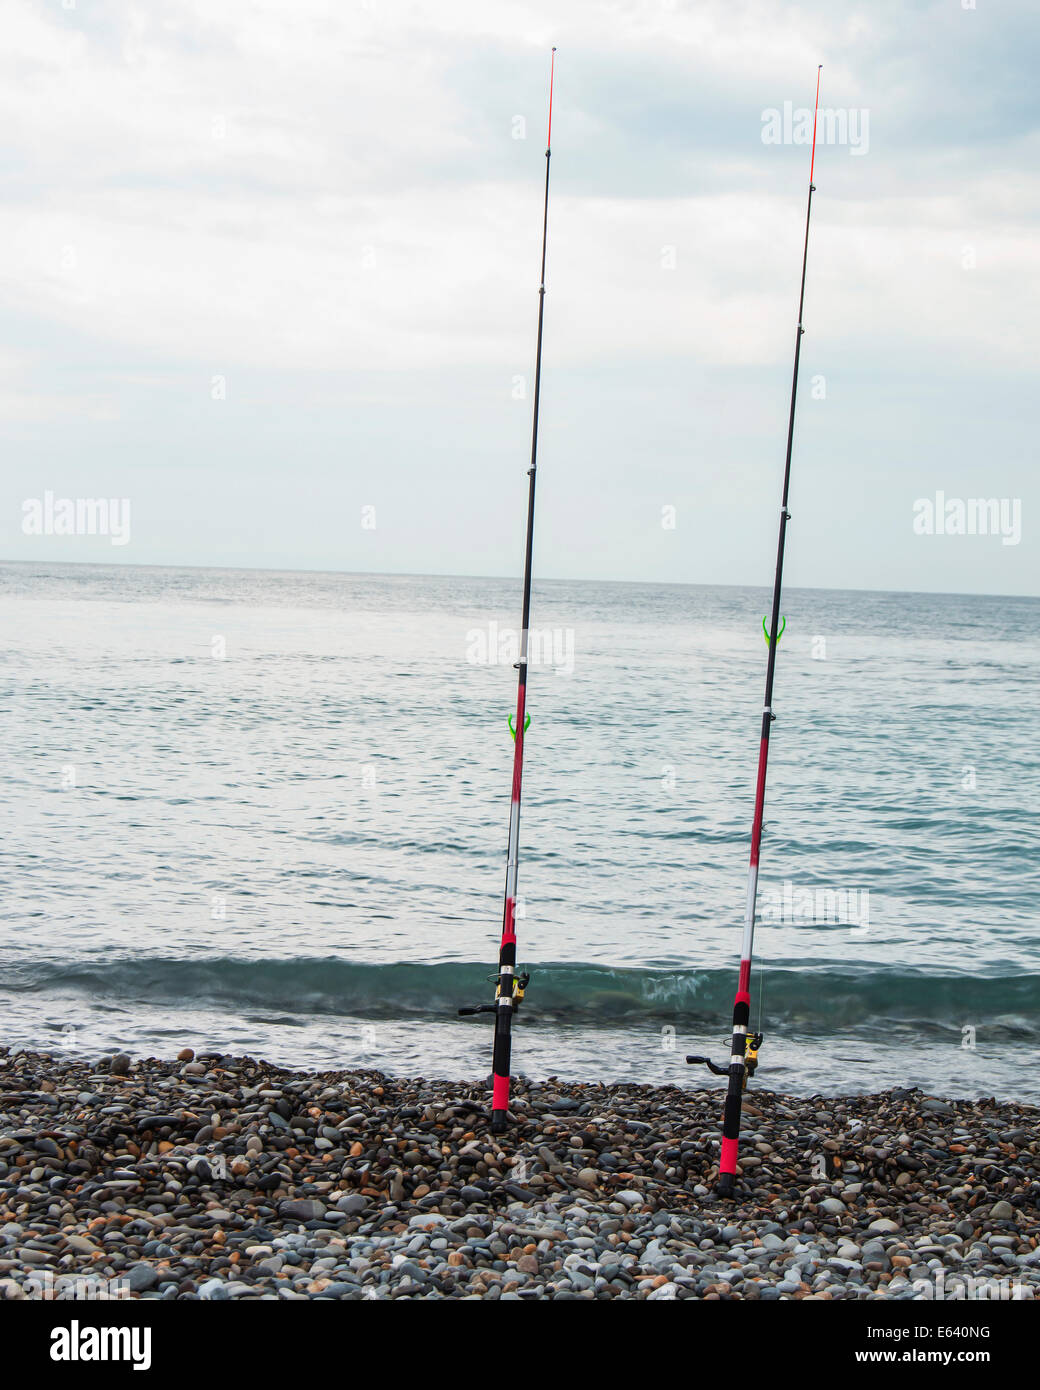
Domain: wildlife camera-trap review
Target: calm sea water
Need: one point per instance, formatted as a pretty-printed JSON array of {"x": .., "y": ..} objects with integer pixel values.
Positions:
[{"x": 266, "y": 813}]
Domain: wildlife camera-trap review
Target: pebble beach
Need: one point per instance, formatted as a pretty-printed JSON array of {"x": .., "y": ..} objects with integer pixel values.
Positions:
[{"x": 220, "y": 1177}]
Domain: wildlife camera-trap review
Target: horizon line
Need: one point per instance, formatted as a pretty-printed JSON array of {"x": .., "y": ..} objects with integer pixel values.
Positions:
[{"x": 502, "y": 578}]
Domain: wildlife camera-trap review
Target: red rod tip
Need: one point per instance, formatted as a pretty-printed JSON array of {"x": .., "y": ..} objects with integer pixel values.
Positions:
[
  {"x": 816, "y": 109},
  {"x": 552, "y": 69}
]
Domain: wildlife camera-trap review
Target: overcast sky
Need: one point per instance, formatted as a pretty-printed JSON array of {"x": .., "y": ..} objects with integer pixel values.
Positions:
[{"x": 267, "y": 263}]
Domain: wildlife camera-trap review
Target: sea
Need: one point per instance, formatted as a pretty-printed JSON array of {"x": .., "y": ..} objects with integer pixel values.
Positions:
[{"x": 265, "y": 813}]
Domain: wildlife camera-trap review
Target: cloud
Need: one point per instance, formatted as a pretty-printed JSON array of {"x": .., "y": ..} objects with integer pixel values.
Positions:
[{"x": 255, "y": 189}]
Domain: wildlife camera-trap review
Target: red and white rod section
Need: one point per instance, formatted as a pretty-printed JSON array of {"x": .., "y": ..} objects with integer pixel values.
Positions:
[{"x": 742, "y": 1003}]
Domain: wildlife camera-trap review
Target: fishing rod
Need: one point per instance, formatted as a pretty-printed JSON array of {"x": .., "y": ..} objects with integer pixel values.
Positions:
[
  {"x": 510, "y": 987},
  {"x": 745, "y": 1045}
]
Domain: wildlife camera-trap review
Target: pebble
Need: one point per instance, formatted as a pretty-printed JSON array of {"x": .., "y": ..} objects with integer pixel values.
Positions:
[
  {"x": 223, "y": 1177},
  {"x": 140, "y": 1277}
]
